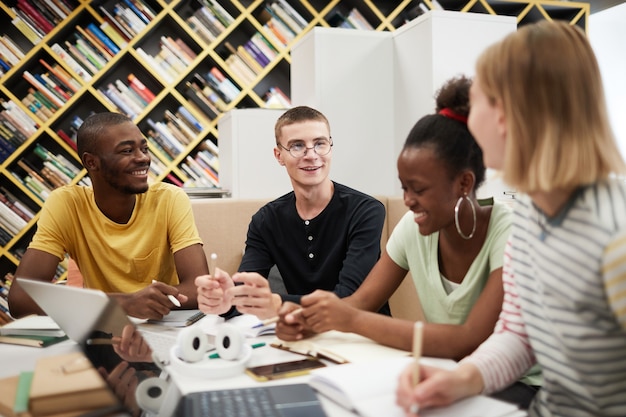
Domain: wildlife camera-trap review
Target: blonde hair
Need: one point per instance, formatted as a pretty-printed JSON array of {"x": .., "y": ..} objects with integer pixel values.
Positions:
[{"x": 548, "y": 82}]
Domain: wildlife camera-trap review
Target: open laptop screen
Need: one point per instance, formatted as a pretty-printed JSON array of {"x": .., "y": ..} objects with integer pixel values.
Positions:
[{"x": 96, "y": 323}]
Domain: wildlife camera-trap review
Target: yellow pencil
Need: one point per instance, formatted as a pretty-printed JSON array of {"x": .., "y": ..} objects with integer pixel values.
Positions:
[{"x": 418, "y": 330}]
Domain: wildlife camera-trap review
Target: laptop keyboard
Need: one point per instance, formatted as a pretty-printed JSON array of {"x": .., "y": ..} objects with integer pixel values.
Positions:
[{"x": 243, "y": 402}]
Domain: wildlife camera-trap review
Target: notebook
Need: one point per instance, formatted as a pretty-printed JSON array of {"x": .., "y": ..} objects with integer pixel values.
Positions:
[{"x": 95, "y": 315}]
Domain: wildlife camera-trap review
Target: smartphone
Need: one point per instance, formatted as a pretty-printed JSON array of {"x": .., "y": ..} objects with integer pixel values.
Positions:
[{"x": 284, "y": 369}]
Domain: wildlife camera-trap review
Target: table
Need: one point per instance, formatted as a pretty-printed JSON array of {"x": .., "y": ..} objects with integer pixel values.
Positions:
[
  {"x": 16, "y": 359},
  {"x": 21, "y": 358}
]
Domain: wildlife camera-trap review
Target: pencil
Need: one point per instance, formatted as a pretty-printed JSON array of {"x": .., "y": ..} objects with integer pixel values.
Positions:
[
  {"x": 418, "y": 329},
  {"x": 101, "y": 341},
  {"x": 275, "y": 319},
  {"x": 212, "y": 263}
]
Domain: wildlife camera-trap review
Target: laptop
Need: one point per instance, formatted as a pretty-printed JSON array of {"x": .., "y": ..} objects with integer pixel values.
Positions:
[{"x": 95, "y": 316}]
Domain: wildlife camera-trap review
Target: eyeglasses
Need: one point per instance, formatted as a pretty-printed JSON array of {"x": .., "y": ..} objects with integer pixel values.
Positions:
[{"x": 299, "y": 149}]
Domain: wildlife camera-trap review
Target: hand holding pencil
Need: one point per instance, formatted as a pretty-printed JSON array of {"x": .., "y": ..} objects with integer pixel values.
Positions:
[
  {"x": 130, "y": 345},
  {"x": 211, "y": 289}
]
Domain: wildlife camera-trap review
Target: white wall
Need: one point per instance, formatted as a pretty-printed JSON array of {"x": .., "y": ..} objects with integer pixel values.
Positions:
[
  {"x": 248, "y": 168},
  {"x": 607, "y": 34}
]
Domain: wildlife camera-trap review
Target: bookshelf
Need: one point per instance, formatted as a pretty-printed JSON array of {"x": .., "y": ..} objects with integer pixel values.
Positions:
[{"x": 165, "y": 89}]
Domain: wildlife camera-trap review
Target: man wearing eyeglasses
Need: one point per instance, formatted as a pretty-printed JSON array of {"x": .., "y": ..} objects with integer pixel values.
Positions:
[{"x": 322, "y": 235}]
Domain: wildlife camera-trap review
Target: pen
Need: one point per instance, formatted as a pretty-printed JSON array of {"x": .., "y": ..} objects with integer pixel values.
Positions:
[
  {"x": 253, "y": 346},
  {"x": 173, "y": 299},
  {"x": 275, "y": 319},
  {"x": 418, "y": 329}
]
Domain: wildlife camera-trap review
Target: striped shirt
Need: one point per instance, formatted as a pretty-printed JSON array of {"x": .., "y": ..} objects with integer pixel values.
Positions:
[{"x": 565, "y": 305}]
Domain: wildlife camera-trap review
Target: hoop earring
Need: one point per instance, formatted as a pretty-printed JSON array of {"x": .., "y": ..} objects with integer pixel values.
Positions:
[{"x": 456, "y": 217}]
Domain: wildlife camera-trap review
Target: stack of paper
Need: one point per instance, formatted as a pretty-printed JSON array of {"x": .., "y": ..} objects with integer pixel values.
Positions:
[
  {"x": 37, "y": 331},
  {"x": 33, "y": 326}
]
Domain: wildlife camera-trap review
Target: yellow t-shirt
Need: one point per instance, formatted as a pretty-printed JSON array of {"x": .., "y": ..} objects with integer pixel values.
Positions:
[{"x": 117, "y": 257}]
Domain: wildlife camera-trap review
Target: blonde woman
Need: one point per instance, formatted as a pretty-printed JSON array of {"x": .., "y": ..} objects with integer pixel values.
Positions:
[{"x": 538, "y": 112}]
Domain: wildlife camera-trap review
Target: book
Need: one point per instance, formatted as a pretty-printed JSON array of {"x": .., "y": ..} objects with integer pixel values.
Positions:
[
  {"x": 102, "y": 37},
  {"x": 71, "y": 62},
  {"x": 59, "y": 12},
  {"x": 284, "y": 17},
  {"x": 78, "y": 56},
  {"x": 24, "y": 382},
  {"x": 114, "y": 34},
  {"x": 369, "y": 389},
  {"x": 30, "y": 340},
  {"x": 26, "y": 30},
  {"x": 42, "y": 89},
  {"x": 32, "y": 325},
  {"x": 136, "y": 11},
  {"x": 302, "y": 22},
  {"x": 54, "y": 391},
  {"x": 61, "y": 75},
  {"x": 67, "y": 139},
  {"x": 41, "y": 21},
  {"x": 8, "y": 396},
  {"x": 113, "y": 21},
  {"x": 340, "y": 347},
  {"x": 4, "y": 200}
]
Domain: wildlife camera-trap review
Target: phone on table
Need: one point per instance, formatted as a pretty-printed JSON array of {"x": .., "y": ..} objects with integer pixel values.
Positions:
[{"x": 284, "y": 369}]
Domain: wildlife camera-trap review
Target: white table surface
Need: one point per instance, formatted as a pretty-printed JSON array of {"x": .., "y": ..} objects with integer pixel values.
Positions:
[{"x": 16, "y": 359}]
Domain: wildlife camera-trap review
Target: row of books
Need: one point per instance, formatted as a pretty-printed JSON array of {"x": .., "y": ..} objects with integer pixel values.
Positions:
[
  {"x": 354, "y": 20},
  {"x": 242, "y": 64},
  {"x": 128, "y": 17},
  {"x": 94, "y": 45},
  {"x": 130, "y": 96},
  {"x": 174, "y": 133},
  {"x": 51, "y": 88},
  {"x": 90, "y": 52},
  {"x": 282, "y": 22},
  {"x": 275, "y": 98},
  {"x": 211, "y": 92},
  {"x": 173, "y": 58},
  {"x": 210, "y": 20},
  {"x": 16, "y": 126},
  {"x": 36, "y": 18},
  {"x": 5, "y": 286},
  {"x": 199, "y": 171},
  {"x": 14, "y": 215},
  {"x": 53, "y": 171},
  {"x": 10, "y": 54}
]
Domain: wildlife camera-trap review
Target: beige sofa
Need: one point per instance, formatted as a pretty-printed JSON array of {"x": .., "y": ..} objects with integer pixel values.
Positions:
[{"x": 223, "y": 224}]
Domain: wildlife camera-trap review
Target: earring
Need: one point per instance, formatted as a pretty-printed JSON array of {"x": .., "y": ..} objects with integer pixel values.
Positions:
[{"x": 456, "y": 216}]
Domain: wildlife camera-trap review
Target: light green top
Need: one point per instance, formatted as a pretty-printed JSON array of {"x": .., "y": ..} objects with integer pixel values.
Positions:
[{"x": 419, "y": 254}]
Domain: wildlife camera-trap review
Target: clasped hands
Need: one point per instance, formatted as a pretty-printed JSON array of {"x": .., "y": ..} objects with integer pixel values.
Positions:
[{"x": 249, "y": 292}]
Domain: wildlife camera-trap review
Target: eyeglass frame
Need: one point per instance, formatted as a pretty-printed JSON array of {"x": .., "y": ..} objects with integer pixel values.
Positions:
[{"x": 306, "y": 148}]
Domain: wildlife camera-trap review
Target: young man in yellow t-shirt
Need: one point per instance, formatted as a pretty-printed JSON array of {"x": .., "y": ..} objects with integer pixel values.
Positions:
[{"x": 134, "y": 241}]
